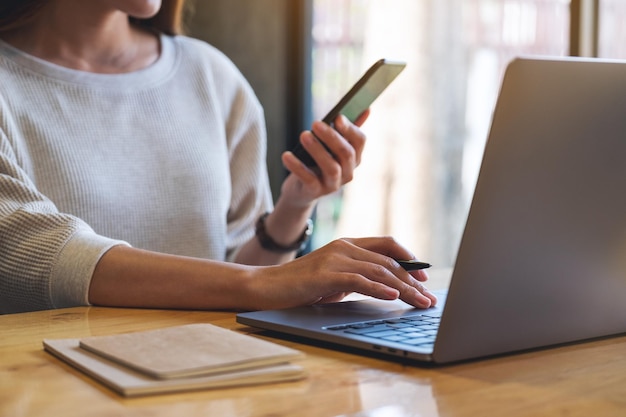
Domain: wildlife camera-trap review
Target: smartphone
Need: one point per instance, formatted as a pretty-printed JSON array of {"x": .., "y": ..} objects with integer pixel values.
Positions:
[{"x": 360, "y": 97}]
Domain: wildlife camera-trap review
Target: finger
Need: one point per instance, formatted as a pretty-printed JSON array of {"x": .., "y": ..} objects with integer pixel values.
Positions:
[
  {"x": 321, "y": 143},
  {"x": 294, "y": 165},
  {"x": 354, "y": 136},
  {"x": 332, "y": 168},
  {"x": 362, "y": 118},
  {"x": 384, "y": 245},
  {"x": 420, "y": 275},
  {"x": 329, "y": 136},
  {"x": 412, "y": 291},
  {"x": 385, "y": 286},
  {"x": 385, "y": 270},
  {"x": 422, "y": 294},
  {"x": 377, "y": 250},
  {"x": 339, "y": 170},
  {"x": 353, "y": 281}
]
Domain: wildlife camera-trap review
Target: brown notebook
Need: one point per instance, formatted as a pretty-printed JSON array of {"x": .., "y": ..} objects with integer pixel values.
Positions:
[
  {"x": 130, "y": 383},
  {"x": 178, "y": 358},
  {"x": 189, "y": 350}
]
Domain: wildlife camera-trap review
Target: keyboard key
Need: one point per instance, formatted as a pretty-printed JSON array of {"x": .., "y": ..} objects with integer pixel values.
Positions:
[
  {"x": 418, "y": 341},
  {"x": 382, "y": 334},
  {"x": 395, "y": 338},
  {"x": 366, "y": 329},
  {"x": 415, "y": 334},
  {"x": 400, "y": 325},
  {"x": 411, "y": 329},
  {"x": 394, "y": 321}
]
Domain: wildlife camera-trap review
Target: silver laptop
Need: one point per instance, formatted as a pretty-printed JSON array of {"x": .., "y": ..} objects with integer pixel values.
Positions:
[{"x": 542, "y": 260}]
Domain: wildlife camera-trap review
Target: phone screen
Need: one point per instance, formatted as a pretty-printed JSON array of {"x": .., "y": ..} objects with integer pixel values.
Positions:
[
  {"x": 366, "y": 90},
  {"x": 360, "y": 97}
]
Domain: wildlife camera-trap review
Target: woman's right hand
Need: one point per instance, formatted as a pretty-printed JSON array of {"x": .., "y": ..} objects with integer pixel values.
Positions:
[
  {"x": 131, "y": 277},
  {"x": 362, "y": 265}
]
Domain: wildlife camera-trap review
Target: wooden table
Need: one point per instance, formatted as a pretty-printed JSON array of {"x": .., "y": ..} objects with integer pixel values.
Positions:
[{"x": 587, "y": 379}]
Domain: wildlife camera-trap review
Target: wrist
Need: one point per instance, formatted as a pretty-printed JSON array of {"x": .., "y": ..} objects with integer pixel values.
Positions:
[
  {"x": 268, "y": 242},
  {"x": 295, "y": 196}
]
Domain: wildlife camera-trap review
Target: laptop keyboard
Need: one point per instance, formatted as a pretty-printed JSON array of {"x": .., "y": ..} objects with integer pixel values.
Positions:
[{"x": 419, "y": 330}]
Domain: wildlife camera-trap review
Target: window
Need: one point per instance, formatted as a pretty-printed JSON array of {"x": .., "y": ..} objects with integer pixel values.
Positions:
[
  {"x": 612, "y": 29},
  {"x": 426, "y": 132}
]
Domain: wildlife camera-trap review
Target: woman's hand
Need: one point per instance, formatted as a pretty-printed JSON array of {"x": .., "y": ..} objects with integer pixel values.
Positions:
[
  {"x": 346, "y": 142},
  {"x": 364, "y": 265}
]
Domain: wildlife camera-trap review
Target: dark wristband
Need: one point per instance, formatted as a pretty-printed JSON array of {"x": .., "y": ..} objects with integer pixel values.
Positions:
[{"x": 269, "y": 244}]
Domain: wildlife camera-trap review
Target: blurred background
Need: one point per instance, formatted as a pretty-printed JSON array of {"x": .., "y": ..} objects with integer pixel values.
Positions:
[{"x": 427, "y": 132}]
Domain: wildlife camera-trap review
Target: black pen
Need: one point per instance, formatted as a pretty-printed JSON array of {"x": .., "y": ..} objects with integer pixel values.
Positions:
[{"x": 413, "y": 265}]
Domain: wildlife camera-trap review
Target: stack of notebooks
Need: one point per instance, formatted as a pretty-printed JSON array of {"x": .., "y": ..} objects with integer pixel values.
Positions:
[{"x": 194, "y": 356}]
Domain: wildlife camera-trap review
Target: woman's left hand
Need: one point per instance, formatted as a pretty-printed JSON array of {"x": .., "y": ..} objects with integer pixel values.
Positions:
[{"x": 346, "y": 142}]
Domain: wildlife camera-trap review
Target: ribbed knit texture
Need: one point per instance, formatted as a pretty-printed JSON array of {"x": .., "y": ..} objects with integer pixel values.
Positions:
[{"x": 170, "y": 158}]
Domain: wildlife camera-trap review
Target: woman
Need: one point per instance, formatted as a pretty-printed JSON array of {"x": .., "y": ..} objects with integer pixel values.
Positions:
[{"x": 132, "y": 173}]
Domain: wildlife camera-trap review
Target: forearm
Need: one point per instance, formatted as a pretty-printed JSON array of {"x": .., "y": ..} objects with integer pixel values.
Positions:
[{"x": 129, "y": 277}]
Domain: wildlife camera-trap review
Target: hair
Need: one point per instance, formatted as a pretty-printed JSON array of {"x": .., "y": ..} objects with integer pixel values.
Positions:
[
  {"x": 169, "y": 19},
  {"x": 15, "y": 13}
]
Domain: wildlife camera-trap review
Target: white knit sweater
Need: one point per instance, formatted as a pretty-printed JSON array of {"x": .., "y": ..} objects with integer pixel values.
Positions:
[{"x": 170, "y": 158}]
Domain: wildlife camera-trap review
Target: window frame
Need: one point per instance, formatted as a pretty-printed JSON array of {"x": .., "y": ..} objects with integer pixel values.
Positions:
[{"x": 584, "y": 28}]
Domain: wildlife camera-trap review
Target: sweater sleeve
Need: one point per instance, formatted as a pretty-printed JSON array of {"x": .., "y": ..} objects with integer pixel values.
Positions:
[{"x": 46, "y": 257}]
